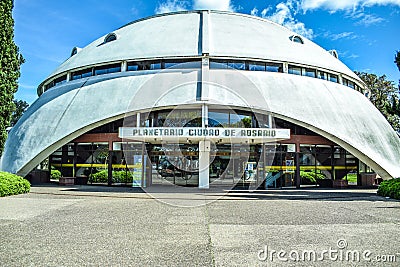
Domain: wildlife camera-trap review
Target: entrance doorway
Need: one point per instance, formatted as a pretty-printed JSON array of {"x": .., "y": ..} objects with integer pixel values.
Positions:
[
  {"x": 176, "y": 164},
  {"x": 230, "y": 164},
  {"x": 235, "y": 164}
]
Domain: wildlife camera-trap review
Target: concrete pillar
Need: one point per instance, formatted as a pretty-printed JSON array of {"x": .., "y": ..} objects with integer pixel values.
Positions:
[
  {"x": 270, "y": 121},
  {"x": 297, "y": 161},
  {"x": 138, "y": 120},
  {"x": 285, "y": 67},
  {"x": 204, "y": 164},
  {"x": 204, "y": 116},
  {"x": 124, "y": 66}
]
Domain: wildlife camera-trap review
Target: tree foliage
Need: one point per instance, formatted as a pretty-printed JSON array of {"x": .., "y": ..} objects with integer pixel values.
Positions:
[
  {"x": 20, "y": 108},
  {"x": 384, "y": 95},
  {"x": 10, "y": 61},
  {"x": 397, "y": 59}
]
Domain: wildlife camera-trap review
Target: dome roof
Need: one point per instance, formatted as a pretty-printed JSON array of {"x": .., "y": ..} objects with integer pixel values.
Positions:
[{"x": 194, "y": 33}]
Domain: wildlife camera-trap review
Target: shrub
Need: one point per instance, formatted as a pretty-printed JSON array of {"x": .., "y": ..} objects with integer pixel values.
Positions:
[
  {"x": 55, "y": 174},
  {"x": 311, "y": 177},
  {"x": 122, "y": 177},
  {"x": 11, "y": 184},
  {"x": 390, "y": 188},
  {"x": 118, "y": 177},
  {"x": 99, "y": 177}
]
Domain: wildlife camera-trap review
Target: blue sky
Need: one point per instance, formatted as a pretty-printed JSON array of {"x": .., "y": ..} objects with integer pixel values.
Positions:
[{"x": 366, "y": 33}]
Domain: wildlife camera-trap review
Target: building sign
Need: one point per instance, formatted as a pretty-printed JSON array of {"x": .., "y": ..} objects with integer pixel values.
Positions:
[
  {"x": 289, "y": 166},
  {"x": 197, "y": 133},
  {"x": 137, "y": 171}
]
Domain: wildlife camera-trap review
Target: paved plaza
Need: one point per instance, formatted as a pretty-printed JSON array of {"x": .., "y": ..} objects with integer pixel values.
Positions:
[{"x": 101, "y": 226}]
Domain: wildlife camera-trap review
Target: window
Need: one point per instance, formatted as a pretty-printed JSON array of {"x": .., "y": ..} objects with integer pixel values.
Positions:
[
  {"x": 60, "y": 80},
  {"x": 218, "y": 119},
  {"x": 178, "y": 118},
  {"x": 55, "y": 82},
  {"x": 227, "y": 64},
  {"x": 239, "y": 119},
  {"x": 274, "y": 67},
  {"x": 145, "y": 65},
  {"x": 182, "y": 64},
  {"x": 48, "y": 86},
  {"x": 132, "y": 66},
  {"x": 349, "y": 83},
  {"x": 245, "y": 65},
  {"x": 110, "y": 37},
  {"x": 237, "y": 65},
  {"x": 257, "y": 66},
  {"x": 294, "y": 70},
  {"x": 107, "y": 69},
  {"x": 81, "y": 74},
  {"x": 218, "y": 64},
  {"x": 333, "y": 78},
  {"x": 322, "y": 75},
  {"x": 310, "y": 73},
  {"x": 296, "y": 39}
]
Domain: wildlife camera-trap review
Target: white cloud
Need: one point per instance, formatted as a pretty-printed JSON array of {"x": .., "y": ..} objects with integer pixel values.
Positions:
[
  {"x": 224, "y": 5},
  {"x": 171, "y": 6},
  {"x": 348, "y": 54},
  {"x": 284, "y": 15},
  {"x": 342, "y": 35},
  {"x": 334, "y": 5},
  {"x": 180, "y": 5},
  {"x": 367, "y": 19},
  {"x": 254, "y": 12},
  {"x": 26, "y": 86}
]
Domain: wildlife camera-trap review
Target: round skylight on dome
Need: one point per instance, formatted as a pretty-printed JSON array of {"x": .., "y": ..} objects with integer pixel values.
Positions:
[
  {"x": 296, "y": 39},
  {"x": 110, "y": 37},
  {"x": 75, "y": 51}
]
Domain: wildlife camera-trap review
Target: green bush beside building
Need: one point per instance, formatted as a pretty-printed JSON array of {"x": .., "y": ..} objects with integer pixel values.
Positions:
[{"x": 11, "y": 184}]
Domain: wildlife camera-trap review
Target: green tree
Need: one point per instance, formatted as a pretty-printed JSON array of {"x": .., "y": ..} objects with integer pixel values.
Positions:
[
  {"x": 396, "y": 103},
  {"x": 10, "y": 61},
  {"x": 20, "y": 108},
  {"x": 397, "y": 59},
  {"x": 384, "y": 95}
]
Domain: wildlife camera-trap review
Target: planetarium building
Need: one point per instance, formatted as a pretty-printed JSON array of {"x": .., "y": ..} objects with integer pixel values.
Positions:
[{"x": 203, "y": 98}]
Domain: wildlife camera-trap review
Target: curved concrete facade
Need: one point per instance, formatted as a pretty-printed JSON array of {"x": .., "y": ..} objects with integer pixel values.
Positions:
[
  {"x": 187, "y": 34},
  {"x": 330, "y": 109}
]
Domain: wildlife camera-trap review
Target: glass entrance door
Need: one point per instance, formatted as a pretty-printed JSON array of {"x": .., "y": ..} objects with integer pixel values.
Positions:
[
  {"x": 235, "y": 164},
  {"x": 175, "y": 164}
]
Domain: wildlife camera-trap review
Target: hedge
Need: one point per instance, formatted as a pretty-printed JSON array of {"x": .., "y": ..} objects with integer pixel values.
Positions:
[
  {"x": 390, "y": 188},
  {"x": 311, "y": 177},
  {"x": 55, "y": 174},
  {"x": 11, "y": 184},
  {"x": 118, "y": 177}
]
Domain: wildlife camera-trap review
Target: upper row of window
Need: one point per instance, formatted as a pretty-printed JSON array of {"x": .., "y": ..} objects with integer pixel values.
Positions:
[
  {"x": 275, "y": 67},
  {"x": 196, "y": 64}
]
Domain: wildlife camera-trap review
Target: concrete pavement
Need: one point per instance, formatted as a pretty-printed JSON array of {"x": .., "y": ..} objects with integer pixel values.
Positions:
[{"x": 101, "y": 226}]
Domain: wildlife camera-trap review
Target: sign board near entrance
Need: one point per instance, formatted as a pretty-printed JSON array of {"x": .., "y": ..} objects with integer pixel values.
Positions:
[{"x": 252, "y": 135}]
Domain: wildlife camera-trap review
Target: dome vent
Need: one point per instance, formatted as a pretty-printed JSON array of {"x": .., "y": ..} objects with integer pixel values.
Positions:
[
  {"x": 296, "y": 39},
  {"x": 334, "y": 53},
  {"x": 110, "y": 37},
  {"x": 75, "y": 51}
]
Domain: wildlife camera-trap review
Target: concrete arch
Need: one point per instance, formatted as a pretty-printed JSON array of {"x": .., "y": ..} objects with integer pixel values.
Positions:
[{"x": 336, "y": 112}]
